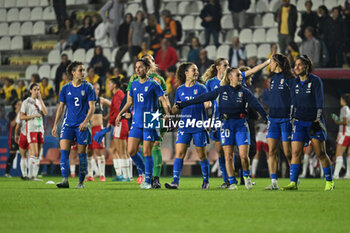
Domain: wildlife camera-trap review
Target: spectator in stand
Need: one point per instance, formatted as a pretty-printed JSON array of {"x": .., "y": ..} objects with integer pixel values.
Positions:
[
  {"x": 286, "y": 17},
  {"x": 8, "y": 93},
  {"x": 193, "y": 54},
  {"x": 136, "y": 35},
  {"x": 293, "y": 53},
  {"x": 308, "y": 19},
  {"x": 119, "y": 73},
  {"x": 100, "y": 32},
  {"x": 238, "y": 11},
  {"x": 109, "y": 76},
  {"x": 154, "y": 32},
  {"x": 66, "y": 30},
  {"x": 115, "y": 9},
  {"x": 123, "y": 39},
  {"x": 64, "y": 81},
  {"x": 273, "y": 49},
  {"x": 257, "y": 78},
  {"x": 346, "y": 11},
  {"x": 324, "y": 22},
  {"x": 236, "y": 53},
  {"x": 166, "y": 55},
  {"x": 311, "y": 47},
  {"x": 335, "y": 39},
  {"x": 60, "y": 70},
  {"x": 170, "y": 28},
  {"x": 151, "y": 7},
  {"x": 46, "y": 90},
  {"x": 171, "y": 83},
  {"x": 59, "y": 7},
  {"x": 211, "y": 20},
  {"x": 144, "y": 50},
  {"x": 21, "y": 90},
  {"x": 86, "y": 33},
  {"x": 204, "y": 62},
  {"x": 99, "y": 62},
  {"x": 92, "y": 77}
]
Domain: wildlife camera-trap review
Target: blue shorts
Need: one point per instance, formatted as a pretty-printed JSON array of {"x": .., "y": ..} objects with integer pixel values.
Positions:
[
  {"x": 235, "y": 132},
  {"x": 200, "y": 139},
  {"x": 144, "y": 134},
  {"x": 215, "y": 134},
  {"x": 278, "y": 128},
  {"x": 73, "y": 134},
  {"x": 301, "y": 132}
]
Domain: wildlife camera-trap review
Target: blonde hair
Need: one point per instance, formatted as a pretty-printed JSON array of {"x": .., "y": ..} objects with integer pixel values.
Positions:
[
  {"x": 225, "y": 80},
  {"x": 153, "y": 65},
  {"x": 212, "y": 71},
  {"x": 244, "y": 69}
]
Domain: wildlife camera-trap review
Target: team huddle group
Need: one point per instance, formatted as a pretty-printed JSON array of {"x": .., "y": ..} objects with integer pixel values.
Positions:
[{"x": 295, "y": 118}]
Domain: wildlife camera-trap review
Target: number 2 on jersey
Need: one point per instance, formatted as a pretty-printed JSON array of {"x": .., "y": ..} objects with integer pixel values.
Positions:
[{"x": 76, "y": 101}]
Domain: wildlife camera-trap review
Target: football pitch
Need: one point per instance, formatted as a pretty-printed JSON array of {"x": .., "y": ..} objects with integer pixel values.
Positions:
[{"x": 122, "y": 207}]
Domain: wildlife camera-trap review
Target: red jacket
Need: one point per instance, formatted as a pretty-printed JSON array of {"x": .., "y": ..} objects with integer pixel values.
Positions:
[
  {"x": 170, "y": 58},
  {"x": 115, "y": 106}
]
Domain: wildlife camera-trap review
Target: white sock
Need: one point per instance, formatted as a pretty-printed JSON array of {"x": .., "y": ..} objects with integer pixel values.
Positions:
[
  {"x": 348, "y": 165},
  {"x": 31, "y": 166},
  {"x": 24, "y": 166},
  {"x": 274, "y": 181},
  {"x": 89, "y": 167},
  {"x": 254, "y": 166},
  {"x": 130, "y": 167},
  {"x": 36, "y": 167},
  {"x": 95, "y": 168},
  {"x": 125, "y": 168},
  {"x": 305, "y": 163},
  {"x": 338, "y": 165},
  {"x": 117, "y": 168},
  {"x": 72, "y": 169},
  {"x": 101, "y": 164},
  {"x": 215, "y": 167}
]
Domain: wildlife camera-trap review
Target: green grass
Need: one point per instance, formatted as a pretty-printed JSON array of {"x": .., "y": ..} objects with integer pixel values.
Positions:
[{"x": 123, "y": 207}]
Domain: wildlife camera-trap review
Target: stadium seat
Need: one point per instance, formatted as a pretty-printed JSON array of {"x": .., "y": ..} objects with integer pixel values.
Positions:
[
  {"x": 33, "y": 3},
  {"x": 226, "y": 22},
  {"x": 114, "y": 52},
  {"x": 37, "y": 14},
  {"x": 89, "y": 54},
  {"x": 68, "y": 52},
  {"x": 53, "y": 71},
  {"x": 224, "y": 6},
  {"x": 261, "y": 7},
  {"x": 31, "y": 69},
  {"x": 259, "y": 36},
  {"x": 301, "y": 5},
  {"x": 133, "y": 8},
  {"x": 299, "y": 19},
  {"x": 24, "y": 14},
  {"x": 223, "y": 51},
  {"x": 17, "y": 43},
  {"x": 44, "y": 71},
  {"x": 245, "y": 36},
  {"x": 3, "y": 15},
  {"x": 184, "y": 8},
  {"x": 341, "y": 2},
  {"x": 4, "y": 27},
  {"x": 184, "y": 52},
  {"x": 230, "y": 34},
  {"x": 14, "y": 29},
  {"x": 130, "y": 69},
  {"x": 5, "y": 43},
  {"x": 258, "y": 20},
  {"x": 44, "y": 3},
  {"x": 12, "y": 15},
  {"x": 49, "y": 14},
  {"x": 211, "y": 49},
  {"x": 27, "y": 28},
  {"x": 21, "y": 3},
  {"x": 54, "y": 57},
  {"x": 317, "y": 4},
  {"x": 272, "y": 35},
  {"x": 251, "y": 50},
  {"x": 79, "y": 55},
  {"x": 268, "y": 20},
  {"x": 251, "y": 7},
  {"x": 39, "y": 28},
  {"x": 263, "y": 50},
  {"x": 107, "y": 53},
  {"x": 81, "y": 2},
  {"x": 172, "y": 7},
  {"x": 196, "y": 6},
  {"x": 274, "y": 5},
  {"x": 9, "y": 3},
  {"x": 197, "y": 23},
  {"x": 188, "y": 22},
  {"x": 70, "y": 2},
  {"x": 297, "y": 38},
  {"x": 126, "y": 58},
  {"x": 330, "y": 3}
]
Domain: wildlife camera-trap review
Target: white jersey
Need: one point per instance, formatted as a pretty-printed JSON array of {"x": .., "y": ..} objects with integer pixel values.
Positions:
[
  {"x": 261, "y": 132},
  {"x": 23, "y": 125},
  {"x": 32, "y": 107},
  {"x": 344, "y": 113}
]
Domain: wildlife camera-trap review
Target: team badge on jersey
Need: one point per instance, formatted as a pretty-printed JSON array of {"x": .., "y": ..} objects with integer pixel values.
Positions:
[
  {"x": 195, "y": 91},
  {"x": 240, "y": 94},
  {"x": 282, "y": 81},
  {"x": 146, "y": 89},
  {"x": 82, "y": 92},
  {"x": 309, "y": 85}
]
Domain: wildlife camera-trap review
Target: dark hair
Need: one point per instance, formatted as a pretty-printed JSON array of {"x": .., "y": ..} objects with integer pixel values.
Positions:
[
  {"x": 33, "y": 85},
  {"x": 180, "y": 72},
  {"x": 89, "y": 17},
  {"x": 12, "y": 115},
  {"x": 132, "y": 17},
  {"x": 71, "y": 67},
  {"x": 115, "y": 81},
  {"x": 323, "y": 7},
  {"x": 310, "y": 2},
  {"x": 13, "y": 104},
  {"x": 36, "y": 77},
  {"x": 172, "y": 69},
  {"x": 307, "y": 62},
  {"x": 144, "y": 61},
  {"x": 283, "y": 62},
  {"x": 166, "y": 13},
  {"x": 143, "y": 15},
  {"x": 294, "y": 46},
  {"x": 101, "y": 54},
  {"x": 64, "y": 55},
  {"x": 311, "y": 30},
  {"x": 44, "y": 78}
]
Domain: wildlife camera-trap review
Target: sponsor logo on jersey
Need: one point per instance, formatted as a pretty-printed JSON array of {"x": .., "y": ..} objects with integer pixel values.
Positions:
[
  {"x": 135, "y": 89},
  {"x": 69, "y": 93},
  {"x": 149, "y": 137},
  {"x": 216, "y": 86},
  {"x": 182, "y": 93}
]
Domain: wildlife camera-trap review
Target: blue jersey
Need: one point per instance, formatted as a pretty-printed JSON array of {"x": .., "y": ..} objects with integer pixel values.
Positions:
[
  {"x": 280, "y": 96},
  {"x": 194, "y": 112},
  {"x": 307, "y": 99},
  {"x": 145, "y": 97},
  {"x": 77, "y": 102},
  {"x": 211, "y": 85},
  {"x": 232, "y": 101}
]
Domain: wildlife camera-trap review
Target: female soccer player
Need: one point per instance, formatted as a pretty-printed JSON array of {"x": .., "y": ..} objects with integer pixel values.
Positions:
[
  {"x": 187, "y": 75},
  {"x": 79, "y": 98},
  {"x": 307, "y": 92},
  {"x": 32, "y": 111},
  {"x": 95, "y": 149},
  {"x": 279, "y": 126},
  {"x": 343, "y": 137},
  {"x": 21, "y": 130},
  {"x": 144, "y": 94},
  {"x": 232, "y": 101}
]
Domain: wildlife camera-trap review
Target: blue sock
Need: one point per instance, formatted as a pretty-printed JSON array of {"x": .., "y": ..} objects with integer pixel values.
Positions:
[
  {"x": 83, "y": 166},
  {"x": 177, "y": 170},
  {"x": 232, "y": 180},
  {"x": 294, "y": 172},
  {"x": 246, "y": 173},
  {"x": 222, "y": 164},
  {"x": 205, "y": 170},
  {"x": 139, "y": 170},
  {"x": 137, "y": 159},
  {"x": 328, "y": 173},
  {"x": 64, "y": 163},
  {"x": 149, "y": 168},
  {"x": 273, "y": 176}
]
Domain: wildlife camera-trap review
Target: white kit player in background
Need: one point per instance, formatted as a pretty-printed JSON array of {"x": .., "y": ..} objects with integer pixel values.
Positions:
[
  {"x": 261, "y": 144},
  {"x": 32, "y": 111}
]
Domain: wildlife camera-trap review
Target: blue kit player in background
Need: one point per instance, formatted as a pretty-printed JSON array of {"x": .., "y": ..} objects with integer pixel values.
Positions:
[
  {"x": 144, "y": 95},
  {"x": 232, "y": 100},
  {"x": 279, "y": 102},
  {"x": 187, "y": 76},
  {"x": 79, "y": 98},
  {"x": 307, "y": 101}
]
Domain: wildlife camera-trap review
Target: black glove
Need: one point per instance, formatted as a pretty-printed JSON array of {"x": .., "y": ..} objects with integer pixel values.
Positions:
[{"x": 315, "y": 127}]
